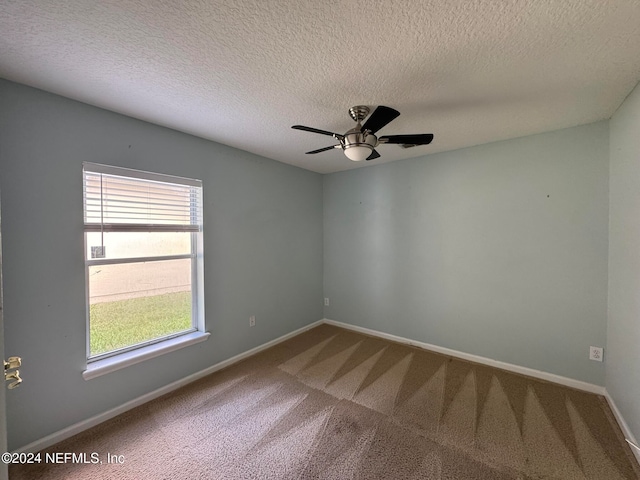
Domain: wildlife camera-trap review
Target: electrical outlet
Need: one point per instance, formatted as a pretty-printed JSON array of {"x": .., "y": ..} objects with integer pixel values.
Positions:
[
  {"x": 326, "y": 302},
  {"x": 252, "y": 321},
  {"x": 596, "y": 353}
]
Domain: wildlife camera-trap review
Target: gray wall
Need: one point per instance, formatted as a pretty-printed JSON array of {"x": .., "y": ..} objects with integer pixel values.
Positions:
[
  {"x": 263, "y": 251},
  {"x": 623, "y": 332},
  {"x": 498, "y": 250}
]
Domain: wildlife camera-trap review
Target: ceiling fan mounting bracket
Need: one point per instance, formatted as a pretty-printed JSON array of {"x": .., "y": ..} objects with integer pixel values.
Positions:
[{"x": 359, "y": 112}]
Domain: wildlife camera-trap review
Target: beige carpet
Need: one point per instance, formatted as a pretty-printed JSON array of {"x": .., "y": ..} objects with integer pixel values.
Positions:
[{"x": 335, "y": 404}]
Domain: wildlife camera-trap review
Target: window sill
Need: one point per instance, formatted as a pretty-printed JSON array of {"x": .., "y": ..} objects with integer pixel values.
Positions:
[{"x": 111, "y": 364}]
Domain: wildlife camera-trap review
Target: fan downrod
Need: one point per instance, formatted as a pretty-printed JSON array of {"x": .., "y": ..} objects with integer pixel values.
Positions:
[{"x": 359, "y": 112}]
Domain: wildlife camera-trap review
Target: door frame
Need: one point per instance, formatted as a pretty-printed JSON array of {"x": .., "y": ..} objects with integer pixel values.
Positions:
[{"x": 4, "y": 470}]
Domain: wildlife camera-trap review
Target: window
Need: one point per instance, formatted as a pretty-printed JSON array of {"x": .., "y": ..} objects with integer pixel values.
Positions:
[{"x": 143, "y": 258}]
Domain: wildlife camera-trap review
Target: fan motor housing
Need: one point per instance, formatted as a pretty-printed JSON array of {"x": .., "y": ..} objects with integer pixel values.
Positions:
[
  {"x": 358, "y": 141},
  {"x": 356, "y": 138}
]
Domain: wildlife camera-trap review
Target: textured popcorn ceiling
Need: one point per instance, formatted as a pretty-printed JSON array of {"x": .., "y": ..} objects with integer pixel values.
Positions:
[{"x": 241, "y": 72}]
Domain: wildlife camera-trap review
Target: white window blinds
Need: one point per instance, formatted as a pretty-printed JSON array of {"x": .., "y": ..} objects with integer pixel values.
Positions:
[{"x": 120, "y": 199}]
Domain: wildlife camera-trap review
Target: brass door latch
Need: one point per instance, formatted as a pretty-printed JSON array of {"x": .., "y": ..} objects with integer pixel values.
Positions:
[{"x": 11, "y": 373}]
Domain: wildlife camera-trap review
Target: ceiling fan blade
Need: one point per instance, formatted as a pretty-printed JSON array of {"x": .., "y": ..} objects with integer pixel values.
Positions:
[
  {"x": 316, "y": 130},
  {"x": 380, "y": 117},
  {"x": 423, "y": 139},
  {"x": 373, "y": 155},
  {"x": 323, "y": 149}
]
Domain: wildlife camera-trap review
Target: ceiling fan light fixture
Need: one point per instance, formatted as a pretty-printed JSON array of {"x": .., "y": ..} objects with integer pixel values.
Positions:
[
  {"x": 357, "y": 153},
  {"x": 358, "y": 145}
]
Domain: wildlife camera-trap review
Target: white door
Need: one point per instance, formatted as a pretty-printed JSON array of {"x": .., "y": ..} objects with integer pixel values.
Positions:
[{"x": 3, "y": 410}]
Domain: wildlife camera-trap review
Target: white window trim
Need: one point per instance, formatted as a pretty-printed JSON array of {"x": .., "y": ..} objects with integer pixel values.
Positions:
[
  {"x": 146, "y": 351},
  {"x": 116, "y": 362}
]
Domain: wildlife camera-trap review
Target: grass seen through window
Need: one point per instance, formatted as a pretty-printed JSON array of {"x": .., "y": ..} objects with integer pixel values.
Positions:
[{"x": 128, "y": 322}]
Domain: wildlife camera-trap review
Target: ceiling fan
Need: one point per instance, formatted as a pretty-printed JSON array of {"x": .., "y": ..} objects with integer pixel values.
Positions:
[{"x": 360, "y": 142}]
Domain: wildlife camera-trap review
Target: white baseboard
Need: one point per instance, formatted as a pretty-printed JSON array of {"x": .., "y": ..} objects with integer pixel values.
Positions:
[
  {"x": 102, "y": 417},
  {"x": 550, "y": 377},
  {"x": 624, "y": 426}
]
